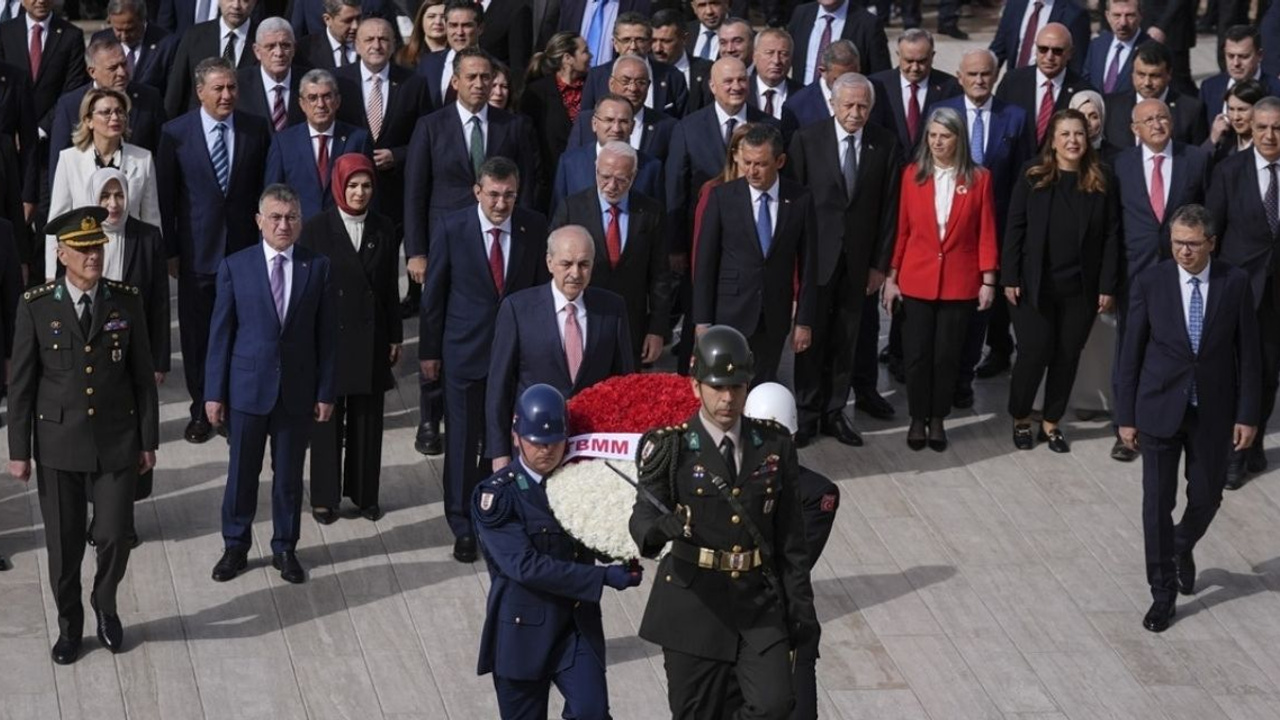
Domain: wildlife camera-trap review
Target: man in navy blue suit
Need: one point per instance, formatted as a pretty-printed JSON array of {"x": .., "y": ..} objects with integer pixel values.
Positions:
[
  {"x": 650, "y": 129},
  {"x": 848, "y": 21},
  {"x": 230, "y": 36},
  {"x": 480, "y": 254},
  {"x": 209, "y": 165},
  {"x": 1242, "y": 51},
  {"x": 561, "y": 333},
  {"x": 555, "y": 578},
  {"x": 1108, "y": 63},
  {"x": 668, "y": 92},
  {"x": 1022, "y": 20},
  {"x": 610, "y": 121},
  {"x": 1188, "y": 382},
  {"x": 301, "y": 156},
  {"x": 1006, "y": 141},
  {"x": 309, "y": 17},
  {"x": 148, "y": 46},
  {"x": 270, "y": 374},
  {"x": 594, "y": 20}
]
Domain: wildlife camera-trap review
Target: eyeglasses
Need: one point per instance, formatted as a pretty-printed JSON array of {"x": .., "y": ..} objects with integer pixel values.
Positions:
[
  {"x": 1192, "y": 246},
  {"x": 632, "y": 82},
  {"x": 1154, "y": 120},
  {"x": 277, "y": 219},
  {"x": 1046, "y": 49},
  {"x": 108, "y": 114},
  {"x": 318, "y": 97}
]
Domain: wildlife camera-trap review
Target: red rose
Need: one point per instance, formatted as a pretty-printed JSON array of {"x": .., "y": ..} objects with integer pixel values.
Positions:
[{"x": 632, "y": 404}]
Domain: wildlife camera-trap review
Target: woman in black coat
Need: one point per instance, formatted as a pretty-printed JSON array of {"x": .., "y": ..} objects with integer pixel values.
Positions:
[
  {"x": 1060, "y": 267},
  {"x": 362, "y": 250},
  {"x": 552, "y": 96},
  {"x": 1232, "y": 131}
]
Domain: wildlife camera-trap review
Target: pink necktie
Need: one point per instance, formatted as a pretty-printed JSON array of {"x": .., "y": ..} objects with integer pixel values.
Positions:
[
  {"x": 913, "y": 113},
  {"x": 572, "y": 341},
  {"x": 1157, "y": 188}
]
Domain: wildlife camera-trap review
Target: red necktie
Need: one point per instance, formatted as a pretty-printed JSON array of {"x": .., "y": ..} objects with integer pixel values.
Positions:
[
  {"x": 37, "y": 31},
  {"x": 1029, "y": 36},
  {"x": 322, "y": 160},
  {"x": 495, "y": 260},
  {"x": 1046, "y": 112},
  {"x": 1157, "y": 188},
  {"x": 913, "y": 114},
  {"x": 613, "y": 237}
]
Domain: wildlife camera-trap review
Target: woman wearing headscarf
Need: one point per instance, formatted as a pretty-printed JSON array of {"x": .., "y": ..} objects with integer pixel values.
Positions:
[
  {"x": 362, "y": 249},
  {"x": 1091, "y": 105}
]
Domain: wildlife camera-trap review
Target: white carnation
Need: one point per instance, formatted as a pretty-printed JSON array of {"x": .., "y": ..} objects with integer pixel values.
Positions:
[{"x": 594, "y": 505}]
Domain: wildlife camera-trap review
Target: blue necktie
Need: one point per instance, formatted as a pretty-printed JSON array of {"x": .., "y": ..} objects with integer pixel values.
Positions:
[
  {"x": 221, "y": 159},
  {"x": 705, "y": 52},
  {"x": 764, "y": 225},
  {"x": 978, "y": 138},
  {"x": 595, "y": 33},
  {"x": 1195, "y": 326}
]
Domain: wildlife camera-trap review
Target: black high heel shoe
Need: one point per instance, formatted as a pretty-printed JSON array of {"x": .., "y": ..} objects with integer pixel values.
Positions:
[
  {"x": 917, "y": 433},
  {"x": 937, "y": 435}
]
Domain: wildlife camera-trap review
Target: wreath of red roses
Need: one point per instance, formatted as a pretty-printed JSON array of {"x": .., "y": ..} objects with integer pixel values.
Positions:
[{"x": 632, "y": 404}]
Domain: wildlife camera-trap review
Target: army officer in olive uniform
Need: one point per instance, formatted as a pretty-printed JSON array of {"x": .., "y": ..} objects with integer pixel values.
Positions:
[
  {"x": 733, "y": 598},
  {"x": 82, "y": 404}
]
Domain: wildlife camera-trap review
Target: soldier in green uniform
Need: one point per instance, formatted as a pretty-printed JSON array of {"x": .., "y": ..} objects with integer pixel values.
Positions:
[
  {"x": 732, "y": 599},
  {"x": 82, "y": 403}
]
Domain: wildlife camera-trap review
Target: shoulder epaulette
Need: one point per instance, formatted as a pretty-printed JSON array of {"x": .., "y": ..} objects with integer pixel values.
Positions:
[
  {"x": 122, "y": 287},
  {"x": 38, "y": 292}
]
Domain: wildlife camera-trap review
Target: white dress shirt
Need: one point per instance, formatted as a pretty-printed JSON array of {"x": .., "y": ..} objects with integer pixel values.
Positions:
[
  {"x": 682, "y": 64},
  {"x": 270, "y": 253},
  {"x": 702, "y": 39},
  {"x": 811, "y": 60},
  {"x": 1184, "y": 282},
  {"x": 637, "y": 131},
  {"x": 486, "y": 226},
  {"x": 355, "y": 227},
  {"x": 1166, "y": 169},
  {"x": 465, "y": 115},
  {"x": 242, "y": 38},
  {"x": 447, "y": 76},
  {"x": 580, "y": 308},
  {"x": 1264, "y": 176},
  {"x": 944, "y": 191},
  {"x": 779, "y": 95},
  {"x": 773, "y": 205}
]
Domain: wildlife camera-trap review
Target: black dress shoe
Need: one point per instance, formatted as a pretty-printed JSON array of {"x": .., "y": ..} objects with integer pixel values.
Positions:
[
  {"x": 428, "y": 441},
  {"x": 464, "y": 549},
  {"x": 1186, "y": 566},
  {"x": 372, "y": 513},
  {"x": 953, "y": 31},
  {"x": 1121, "y": 452},
  {"x": 324, "y": 516},
  {"x": 198, "y": 430},
  {"x": 917, "y": 434},
  {"x": 873, "y": 404},
  {"x": 804, "y": 436},
  {"x": 1057, "y": 442},
  {"x": 223, "y": 431},
  {"x": 1023, "y": 438},
  {"x": 230, "y": 565},
  {"x": 4, "y": 563},
  {"x": 1159, "y": 616},
  {"x": 838, "y": 427},
  {"x": 1255, "y": 457},
  {"x": 290, "y": 569},
  {"x": 962, "y": 398},
  {"x": 1236, "y": 474},
  {"x": 110, "y": 631},
  {"x": 937, "y": 435},
  {"x": 66, "y": 650},
  {"x": 993, "y": 365}
]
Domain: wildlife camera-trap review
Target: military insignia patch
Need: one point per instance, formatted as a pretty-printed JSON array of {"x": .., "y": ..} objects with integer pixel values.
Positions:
[
  {"x": 116, "y": 354},
  {"x": 768, "y": 506},
  {"x": 646, "y": 452},
  {"x": 56, "y": 327},
  {"x": 693, "y": 442},
  {"x": 756, "y": 440},
  {"x": 828, "y": 503},
  {"x": 486, "y": 501}
]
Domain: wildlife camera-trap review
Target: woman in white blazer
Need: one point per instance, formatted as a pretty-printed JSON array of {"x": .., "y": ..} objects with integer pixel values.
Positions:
[{"x": 96, "y": 142}]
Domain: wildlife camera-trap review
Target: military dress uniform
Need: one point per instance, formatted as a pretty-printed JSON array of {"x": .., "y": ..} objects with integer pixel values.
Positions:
[
  {"x": 725, "y": 603},
  {"x": 84, "y": 406}
]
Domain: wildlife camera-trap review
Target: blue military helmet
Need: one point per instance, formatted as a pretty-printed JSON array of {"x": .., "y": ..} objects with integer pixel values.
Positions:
[{"x": 540, "y": 415}]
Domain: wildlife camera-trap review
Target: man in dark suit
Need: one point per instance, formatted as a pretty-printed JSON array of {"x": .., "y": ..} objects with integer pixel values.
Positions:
[
  {"x": 1022, "y": 20},
  {"x": 650, "y": 129},
  {"x": 480, "y": 254},
  {"x": 629, "y": 229},
  {"x": 576, "y": 171},
  {"x": 812, "y": 103},
  {"x": 301, "y": 156},
  {"x": 1243, "y": 199},
  {"x": 756, "y": 246},
  {"x": 769, "y": 85},
  {"x": 464, "y": 22},
  {"x": 270, "y": 373},
  {"x": 704, "y": 30},
  {"x": 1002, "y": 141},
  {"x": 179, "y": 16},
  {"x": 561, "y": 333},
  {"x": 1242, "y": 50},
  {"x": 209, "y": 164},
  {"x": 1188, "y": 382},
  {"x": 667, "y": 90},
  {"x": 1151, "y": 81},
  {"x": 1046, "y": 87},
  {"x": 595, "y": 22},
  {"x": 440, "y": 174},
  {"x": 809, "y": 28},
  {"x": 334, "y": 46},
  {"x": 308, "y": 16},
  {"x": 1173, "y": 22},
  {"x": 147, "y": 46},
  {"x": 914, "y": 82},
  {"x": 17, "y": 156},
  {"x": 228, "y": 37},
  {"x": 508, "y": 33},
  {"x": 856, "y": 201},
  {"x": 269, "y": 88},
  {"x": 83, "y": 405},
  {"x": 1108, "y": 63},
  {"x": 737, "y": 39},
  {"x": 669, "y": 46}
]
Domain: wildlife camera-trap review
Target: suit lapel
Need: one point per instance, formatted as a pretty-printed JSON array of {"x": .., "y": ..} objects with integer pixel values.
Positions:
[
  {"x": 594, "y": 332},
  {"x": 515, "y": 256},
  {"x": 131, "y": 248},
  {"x": 784, "y": 215},
  {"x": 1217, "y": 276},
  {"x": 51, "y": 40}
]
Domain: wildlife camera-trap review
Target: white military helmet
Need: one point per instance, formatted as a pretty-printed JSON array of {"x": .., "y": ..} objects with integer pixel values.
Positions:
[{"x": 771, "y": 401}]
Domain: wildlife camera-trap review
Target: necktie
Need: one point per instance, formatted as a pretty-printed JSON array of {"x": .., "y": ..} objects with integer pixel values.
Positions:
[
  {"x": 595, "y": 33},
  {"x": 1195, "y": 326},
  {"x": 572, "y": 340},
  {"x": 477, "y": 145},
  {"x": 1157, "y": 187},
  {"x": 729, "y": 125},
  {"x": 731, "y": 462},
  {"x": 221, "y": 159},
  {"x": 849, "y": 167},
  {"x": 495, "y": 260},
  {"x": 278, "y": 115},
  {"x": 913, "y": 114},
  {"x": 823, "y": 42},
  {"x": 1272, "y": 201},
  {"x": 131, "y": 60},
  {"x": 375, "y": 106},
  {"x": 322, "y": 158},
  {"x": 277, "y": 285},
  {"x": 1113, "y": 71},
  {"x": 229, "y": 50},
  {"x": 613, "y": 236},
  {"x": 1046, "y": 112},
  {"x": 708, "y": 36},
  {"x": 768, "y": 100},
  {"x": 1029, "y": 35},
  {"x": 978, "y": 138},
  {"x": 86, "y": 314},
  {"x": 764, "y": 224},
  {"x": 37, "y": 49},
  {"x": 343, "y": 58}
]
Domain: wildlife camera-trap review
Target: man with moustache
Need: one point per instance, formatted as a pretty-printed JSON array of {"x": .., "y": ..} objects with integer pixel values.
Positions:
[
  {"x": 611, "y": 121},
  {"x": 650, "y": 129}
]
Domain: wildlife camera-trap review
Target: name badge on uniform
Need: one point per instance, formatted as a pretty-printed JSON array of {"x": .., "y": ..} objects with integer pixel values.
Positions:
[{"x": 116, "y": 354}]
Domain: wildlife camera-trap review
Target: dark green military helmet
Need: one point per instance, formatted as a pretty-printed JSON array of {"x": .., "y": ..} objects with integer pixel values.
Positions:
[{"x": 721, "y": 356}]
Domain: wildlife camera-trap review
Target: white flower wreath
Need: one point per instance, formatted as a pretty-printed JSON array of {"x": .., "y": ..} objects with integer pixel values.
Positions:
[{"x": 594, "y": 505}]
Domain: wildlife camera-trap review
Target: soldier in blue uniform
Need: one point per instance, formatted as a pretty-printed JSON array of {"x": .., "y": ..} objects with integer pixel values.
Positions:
[{"x": 542, "y": 625}]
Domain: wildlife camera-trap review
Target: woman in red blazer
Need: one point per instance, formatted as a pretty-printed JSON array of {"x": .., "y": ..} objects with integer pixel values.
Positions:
[{"x": 945, "y": 258}]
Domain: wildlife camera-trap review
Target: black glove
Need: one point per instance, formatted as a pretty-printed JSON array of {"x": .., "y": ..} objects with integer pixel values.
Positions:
[
  {"x": 620, "y": 577},
  {"x": 668, "y": 527},
  {"x": 806, "y": 634}
]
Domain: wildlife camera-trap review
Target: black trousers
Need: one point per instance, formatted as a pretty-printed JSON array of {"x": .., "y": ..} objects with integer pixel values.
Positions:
[
  {"x": 464, "y": 452},
  {"x": 346, "y": 453},
  {"x": 1207, "y": 448},
  {"x": 64, "y": 498},
  {"x": 1050, "y": 339},
  {"x": 999, "y": 340},
  {"x": 196, "y": 295},
  {"x": 933, "y": 339},
  {"x": 767, "y": 348},
  {"x": 1269, "y": 341},
  {"x": 824, "y": 372},
  {"x": 702, "y": 689},
  {"x": 430, "y": 404},
  {"x": 948, "y": 13},
  {"x": 866, "y": 365}
]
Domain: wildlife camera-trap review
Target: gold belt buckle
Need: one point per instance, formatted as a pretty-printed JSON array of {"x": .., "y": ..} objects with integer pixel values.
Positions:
[
  {"x": 706, "y": 558},
  {"x": 739, "y": 560}
]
